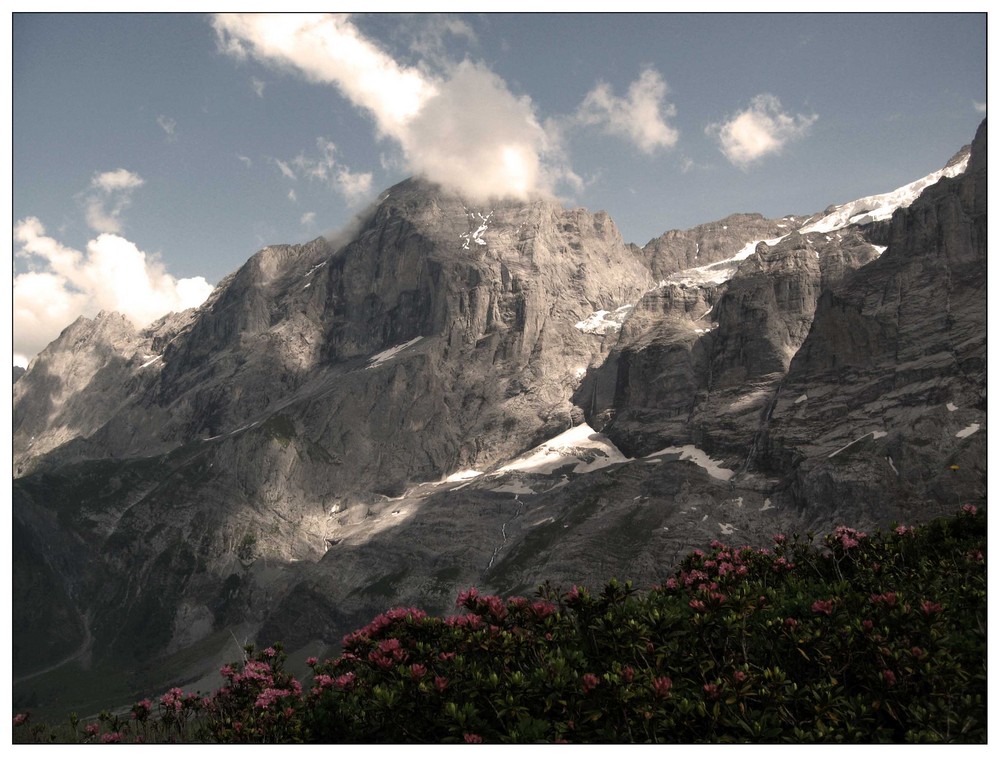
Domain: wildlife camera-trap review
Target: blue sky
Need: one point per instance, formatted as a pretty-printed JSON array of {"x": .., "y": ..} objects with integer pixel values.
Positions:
[{"x": 153, "y": 154}]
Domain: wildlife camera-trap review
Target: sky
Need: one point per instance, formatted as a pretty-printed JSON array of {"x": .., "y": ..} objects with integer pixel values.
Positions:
[{"x": 152, "y": 154}]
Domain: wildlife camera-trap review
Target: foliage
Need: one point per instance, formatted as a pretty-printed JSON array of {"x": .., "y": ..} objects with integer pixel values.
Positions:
[{"x": 857, "y": 638}]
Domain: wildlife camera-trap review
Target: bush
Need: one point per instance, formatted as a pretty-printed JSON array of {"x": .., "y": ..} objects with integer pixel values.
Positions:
[{"x": 856, "y": 639}]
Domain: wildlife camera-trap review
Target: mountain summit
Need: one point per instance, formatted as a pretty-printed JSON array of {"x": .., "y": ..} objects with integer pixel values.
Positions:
[{"x": 452, "y": 394}]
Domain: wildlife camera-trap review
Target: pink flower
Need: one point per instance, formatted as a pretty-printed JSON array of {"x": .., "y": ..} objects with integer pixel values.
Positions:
[
  {"x": 111, "y": 738},
  {"x": 496, "y": 607},
  {"x": 791, "y": 622},
  {"x": 697, "y": 605},
  {"x": 628, "y": 673},
  {"x": 712, "y": 690},
  {"x": 345, "y": 681},
  {"x": 671, "y": 583},
  {"x": 445, "y": 656},
  {"x": 740, "y": 676},
  {"x": 917, "y": 652},
  {"x": 887, "y": 598},
  {"x": 542, "y": 609},
  {"x": 20, "y": 719},
  {"x": 440, "y": 683},
  {"x": 323, "y": 681},
  {"x": 270, "y": 652},
  {"x": 589, "y": 682},
  {"x": 867, "y": 625},
  {"x": 889, "y": 677},
  {"x": 269, "y": 697},
  {"x": 472, "y": 738},
  {"x": 929, "y": 608},
  {"x": 465, "y": 596},
  {"x": 904, "y": 530},
  {"x": 92, "y": 729},
  {"x": 779, "y": 538},
  {"x": 417, "y": 671},
  {"x": 823, "y": 607},
  {"x": 661, "y": 687},
  {"x": 311, "y": 661},
  {"x": 969, "y": 509}
]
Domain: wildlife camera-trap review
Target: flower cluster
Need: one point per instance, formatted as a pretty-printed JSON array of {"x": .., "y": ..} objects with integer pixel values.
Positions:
[{"x": 866, "y": 639}]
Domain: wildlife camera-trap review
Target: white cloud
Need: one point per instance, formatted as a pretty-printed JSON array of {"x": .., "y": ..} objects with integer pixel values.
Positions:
[
  {"x": 285, "y": 169},
  {"x": 121, "y": 179},
  {"x": 107, "y": 197},
  {"x": 65, "y": 283},
  {"x": 476, "y": 136},
  {"x": 308, "y": 219},
  {"x": 434, "y": 37},
  {"x": 330, "y": 50},
  {"x": 245, "y": 160},
  {"x": 169, "y": 126},
  {"x": 640, "y": 117},
  {"x": 258, "y": 86},
  {"x": 461, "y": 127},
  {"x": 292, "y": 196},
  {"x": 978, "y": 106},
  {"x": 327, "y": 169},
  {"x": 760, "y": 130},
  {"x": 355, "y": 187}
]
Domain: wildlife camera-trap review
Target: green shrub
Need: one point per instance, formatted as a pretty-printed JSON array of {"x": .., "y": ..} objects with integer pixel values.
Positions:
[{"x": 856, "y": 639}]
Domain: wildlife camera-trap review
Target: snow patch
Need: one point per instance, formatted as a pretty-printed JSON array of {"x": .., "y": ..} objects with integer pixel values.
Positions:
[
  {"x": 312, "y": 270},
  {"x": 880, "y": 207},
  {"x": 462, "y": 475},
  {"x": 801, "y": 399},
  {"x": 580, "y": 446},
  {"x": 891, "y": 465},
  {"x": 604, "y": 321},
  {"x": 515, "y": 487},
  {"x": 726, "y": 528},
  {"x": 699, "y": 458},
  {"x": 968, "y": 431},
  {"x": 390, "y": 353},
  {"x": 874, "y": 435},
  {"x": 879, "y": 249},
  {"x": 719, "y": 272},
  {"x": 767, "y": 505},
  {"x": 951, "y": 407},
  {"x": 477, "y": 235},
  {"x": 150, "y": 361}
]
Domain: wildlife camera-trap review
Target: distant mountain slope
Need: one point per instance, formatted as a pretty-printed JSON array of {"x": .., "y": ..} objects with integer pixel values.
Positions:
[{"x": 389, "y": 417}]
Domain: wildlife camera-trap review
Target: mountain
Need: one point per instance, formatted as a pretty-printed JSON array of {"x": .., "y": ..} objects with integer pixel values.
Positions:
[{"x": 451, "y": 394}]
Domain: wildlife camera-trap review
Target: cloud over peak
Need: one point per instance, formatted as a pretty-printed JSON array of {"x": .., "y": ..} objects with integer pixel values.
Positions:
[
  {"x": 758, "y": 131},
  {"x": 64, "y": 283},
  {"x": 461, "y": 126}
]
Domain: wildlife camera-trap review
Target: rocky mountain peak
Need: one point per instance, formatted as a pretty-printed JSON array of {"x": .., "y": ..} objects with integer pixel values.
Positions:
[{"x": 450, "y": 394}]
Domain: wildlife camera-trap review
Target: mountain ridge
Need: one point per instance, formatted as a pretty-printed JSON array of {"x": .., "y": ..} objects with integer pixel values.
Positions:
[{"x": 339, "y": 426}]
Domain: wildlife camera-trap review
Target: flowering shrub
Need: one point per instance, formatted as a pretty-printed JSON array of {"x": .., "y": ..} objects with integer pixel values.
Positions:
[{"x": 861, "y": 638}]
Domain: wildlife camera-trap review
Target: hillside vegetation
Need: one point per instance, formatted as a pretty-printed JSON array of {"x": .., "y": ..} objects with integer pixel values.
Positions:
[{"x": 849, "y": 638}]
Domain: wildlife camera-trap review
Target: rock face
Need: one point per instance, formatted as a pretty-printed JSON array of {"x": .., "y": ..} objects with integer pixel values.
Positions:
[
  {"x": 392, "y": 416},
  {"x": 678, "y": 250}
]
